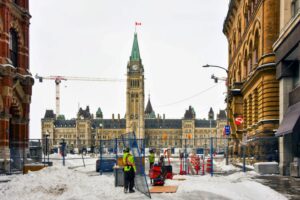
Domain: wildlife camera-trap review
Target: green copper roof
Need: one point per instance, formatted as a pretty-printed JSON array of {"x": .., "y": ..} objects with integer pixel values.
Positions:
[{"x": 135, "y": 52}]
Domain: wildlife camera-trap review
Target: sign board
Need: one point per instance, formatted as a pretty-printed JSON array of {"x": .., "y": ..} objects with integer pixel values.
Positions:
[
  {"x": 227, "y": 130},
  {"x": 239, "y": 120}
]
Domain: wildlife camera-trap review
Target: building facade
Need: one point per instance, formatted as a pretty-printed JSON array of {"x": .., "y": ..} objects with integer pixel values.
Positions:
[
  {"x": 287, "y": 51},
  {"x": 15, "y": 78},
  {"x": 251, "y": 28},
  {"x": 86, "y": 130}
]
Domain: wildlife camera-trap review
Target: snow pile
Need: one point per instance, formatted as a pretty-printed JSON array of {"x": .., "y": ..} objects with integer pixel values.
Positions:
[{"x": 77, "y": 183}]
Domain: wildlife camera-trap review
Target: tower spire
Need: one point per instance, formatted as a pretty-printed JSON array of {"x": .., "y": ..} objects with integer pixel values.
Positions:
[{"x": 135, "y": 52}]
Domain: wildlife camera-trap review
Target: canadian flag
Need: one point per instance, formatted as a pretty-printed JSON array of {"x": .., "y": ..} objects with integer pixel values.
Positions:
[{"x": 138, "y": 23}]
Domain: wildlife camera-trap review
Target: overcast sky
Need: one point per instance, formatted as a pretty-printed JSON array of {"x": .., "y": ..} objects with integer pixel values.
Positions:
[{"x": 93, "y": 38}]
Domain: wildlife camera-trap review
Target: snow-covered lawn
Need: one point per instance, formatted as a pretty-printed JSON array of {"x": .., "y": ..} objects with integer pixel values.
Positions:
[{"x": 74, "y": 182}]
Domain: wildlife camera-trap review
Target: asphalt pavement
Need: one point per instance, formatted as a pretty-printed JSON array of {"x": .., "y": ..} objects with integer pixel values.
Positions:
[{"x": 288, "y": 186}]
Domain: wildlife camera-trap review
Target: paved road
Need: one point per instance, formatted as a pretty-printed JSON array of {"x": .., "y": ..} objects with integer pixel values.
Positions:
[{"x": 288, "y": 186}]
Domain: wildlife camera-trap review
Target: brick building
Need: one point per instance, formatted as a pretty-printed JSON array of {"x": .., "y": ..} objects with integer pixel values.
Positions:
[{"x": 15, "y": 78}]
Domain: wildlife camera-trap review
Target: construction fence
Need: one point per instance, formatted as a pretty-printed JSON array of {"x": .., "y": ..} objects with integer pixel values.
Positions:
[{"x": 17, "y": 154}]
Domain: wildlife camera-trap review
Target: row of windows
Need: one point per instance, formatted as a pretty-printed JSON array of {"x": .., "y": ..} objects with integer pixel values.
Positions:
[
  {"x": 188, "y": 144},
  {"x": 250, "y": 109},
  {"x": 134, "y": 83},
  {"x": 249, "y": 62},
  {"x": 237, "y": 32}
]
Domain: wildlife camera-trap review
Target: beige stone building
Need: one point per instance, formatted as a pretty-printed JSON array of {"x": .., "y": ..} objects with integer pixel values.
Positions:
[
  {"x": 86, "y": 130},
  {"x": 251, "y": 27}
]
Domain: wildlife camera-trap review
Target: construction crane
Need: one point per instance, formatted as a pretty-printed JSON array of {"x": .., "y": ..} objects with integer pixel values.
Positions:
[{"x": 59, "y": 79}]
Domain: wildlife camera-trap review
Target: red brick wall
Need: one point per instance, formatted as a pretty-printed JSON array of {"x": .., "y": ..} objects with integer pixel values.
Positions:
[{"x": 16, "y": 107}]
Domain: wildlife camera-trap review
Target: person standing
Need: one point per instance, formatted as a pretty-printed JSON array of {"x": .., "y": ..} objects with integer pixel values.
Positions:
[
  {"x": 151, "y": 158},
  {"x": 129, "y": 171}
]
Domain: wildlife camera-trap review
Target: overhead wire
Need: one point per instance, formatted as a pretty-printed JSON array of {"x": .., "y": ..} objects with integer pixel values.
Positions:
[{"x": 188, "y": 98}]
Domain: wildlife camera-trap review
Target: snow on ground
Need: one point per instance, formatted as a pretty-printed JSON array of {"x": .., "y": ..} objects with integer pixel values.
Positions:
[{"x": 75, "y": 182}]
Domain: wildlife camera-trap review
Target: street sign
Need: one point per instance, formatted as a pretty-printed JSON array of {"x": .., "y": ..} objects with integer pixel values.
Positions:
[
  {"x": 239, "y": 120},
  {"x": 227, "y": 130}
]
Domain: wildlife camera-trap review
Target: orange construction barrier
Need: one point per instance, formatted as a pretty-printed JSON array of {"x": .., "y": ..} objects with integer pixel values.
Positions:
[
  {"x": 208, "y": 165},
  {"x": 195, "y": 161}
]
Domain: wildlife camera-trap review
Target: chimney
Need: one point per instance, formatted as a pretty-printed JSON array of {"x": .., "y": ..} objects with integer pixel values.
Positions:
[
  {"x": 164, "y": 116},
  {"x": 119, "y": 117},
  {"x": 113, "y": 116}
]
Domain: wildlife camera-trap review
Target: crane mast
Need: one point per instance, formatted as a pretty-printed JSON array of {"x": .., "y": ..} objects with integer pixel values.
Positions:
[{"x": 59, "y": 79}]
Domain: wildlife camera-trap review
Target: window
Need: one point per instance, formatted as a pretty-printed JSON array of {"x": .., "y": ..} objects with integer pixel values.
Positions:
[
  {"x": 245, "y": 68},
  {"x": 239, "y": 29},
  {"x": 252, "y": 7},
  {"x": 13, "y": 47},
  {"x": 245, "y": 111},
  {"x": 295, "y": 7},
  {"x": 296, "y": 77},
  {"x": 249, "y": 62},
  {"x": 234, "y": 43},
  {"x": 256, "y": 47}
]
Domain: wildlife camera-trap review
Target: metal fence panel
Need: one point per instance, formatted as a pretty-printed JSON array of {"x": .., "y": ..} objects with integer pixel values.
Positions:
[{"x": 137, "y": 147}]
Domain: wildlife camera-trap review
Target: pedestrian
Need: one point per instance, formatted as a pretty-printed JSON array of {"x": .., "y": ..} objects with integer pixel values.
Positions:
[
  {"x": 151, "y": 158},
  {"x": 129, "y": 171},
  {"x": 162, "y": 161}
]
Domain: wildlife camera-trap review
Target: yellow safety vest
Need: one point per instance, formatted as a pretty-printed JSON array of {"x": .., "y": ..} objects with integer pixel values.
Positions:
[{"x": 128, "y": 162}]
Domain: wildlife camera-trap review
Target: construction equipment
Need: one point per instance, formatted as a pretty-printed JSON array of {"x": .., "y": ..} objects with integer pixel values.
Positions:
[{"x": 59, "y": 79}]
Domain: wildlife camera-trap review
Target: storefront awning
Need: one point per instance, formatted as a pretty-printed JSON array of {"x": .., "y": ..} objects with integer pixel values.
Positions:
[{"x": 290, "y": 120}]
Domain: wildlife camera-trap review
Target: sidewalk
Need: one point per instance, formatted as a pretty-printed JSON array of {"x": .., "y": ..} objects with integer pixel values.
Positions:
[{"x": 288, "y": 186}]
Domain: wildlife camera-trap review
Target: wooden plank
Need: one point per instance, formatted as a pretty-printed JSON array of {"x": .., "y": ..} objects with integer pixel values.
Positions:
[
  {"x": 32, "y": 168},
  {"x": 164, "y": 189}
]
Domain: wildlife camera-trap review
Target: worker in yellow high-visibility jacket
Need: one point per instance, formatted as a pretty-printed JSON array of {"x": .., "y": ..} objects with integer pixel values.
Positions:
[
  {"x": 151, "y": 158},
  {"x": 129, "y": 171}
]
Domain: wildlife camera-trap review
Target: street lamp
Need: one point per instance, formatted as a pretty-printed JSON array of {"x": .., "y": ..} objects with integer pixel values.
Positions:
[
  {"x": 216, "y": 67},
  {"x": 227, "y": 106}
]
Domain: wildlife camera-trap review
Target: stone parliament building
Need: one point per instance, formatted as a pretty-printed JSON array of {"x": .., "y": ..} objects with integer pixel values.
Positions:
[{"x": 87, "y": 130}]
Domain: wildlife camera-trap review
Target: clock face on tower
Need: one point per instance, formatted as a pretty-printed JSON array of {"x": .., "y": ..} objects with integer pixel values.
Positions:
[{"x": 135, "y": 67}]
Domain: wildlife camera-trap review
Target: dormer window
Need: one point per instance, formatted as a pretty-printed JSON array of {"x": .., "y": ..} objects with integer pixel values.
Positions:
[{"x": 13, "y": 47}]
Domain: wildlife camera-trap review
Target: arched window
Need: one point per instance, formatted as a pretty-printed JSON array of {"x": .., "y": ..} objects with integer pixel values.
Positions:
[
  {"x": 245, "y": 112},
  {"x": 234, "y": 42},
  {"x": 246, "y": 15},
  {"x": 252, "y": 7},
  {"x": 249, "y": 64},
  {"x": 256, "y": 48},
  {"x": 245, "y": 68},
  {"x": 238, "y": 78},
  {"x": 239, "y": 28},
  {"x": 13, "y": 47},
  {"x": 250, "y": 110},
  {"x": 233, "y": 76}
]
